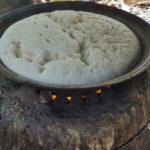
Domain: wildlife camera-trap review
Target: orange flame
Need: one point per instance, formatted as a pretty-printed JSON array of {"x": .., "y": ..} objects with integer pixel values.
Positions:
[
  {"x": 84, "y": 96},
  {"x": 41, "y": 91},
  {"x": 54, "y": 97},
  {"x": 99, "y": 91},
  {"x": 68, "y": 98},
  {"x": 108, "y": 86}
]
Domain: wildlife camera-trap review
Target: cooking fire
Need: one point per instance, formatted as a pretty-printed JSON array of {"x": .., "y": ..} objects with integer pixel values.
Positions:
[{"x": 44, "y": 94}]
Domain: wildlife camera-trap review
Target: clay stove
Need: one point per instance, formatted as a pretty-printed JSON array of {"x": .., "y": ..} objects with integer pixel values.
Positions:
[
  {"x": 112, "y": 118},
  {"x": 116, "y": 118}
]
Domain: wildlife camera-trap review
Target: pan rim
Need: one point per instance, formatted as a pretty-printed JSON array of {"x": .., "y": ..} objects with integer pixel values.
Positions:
[{"x": 129, "y": 75}]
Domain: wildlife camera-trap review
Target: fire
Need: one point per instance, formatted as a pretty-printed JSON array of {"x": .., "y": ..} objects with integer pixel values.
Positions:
[
  {"x": 68, "y": 98},
  {"x": 41, "y": 91},
  {"x": 99, "y": 91},
  {"x": 54, "y": 97},
  {"x": 84, "y": 96},
  {"x": 108, "y": 86}
]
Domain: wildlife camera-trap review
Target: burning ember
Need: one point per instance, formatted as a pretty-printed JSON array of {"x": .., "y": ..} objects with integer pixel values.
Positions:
[
  {"x": 54, "y": 97},
  {"x": 84, "y": 96},
  {"x": 108, "y": 86},
  {"x": 99, "y": 91},
  {"x": 47, "y": 96},
  {"x": 68, "y": 98}
]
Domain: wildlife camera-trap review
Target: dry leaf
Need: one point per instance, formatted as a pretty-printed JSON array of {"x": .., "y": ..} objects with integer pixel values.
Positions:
[
  {"x": 143, "y": 3},
  {"x": 114, "y": 3},
  {"x": 63, "y": 0},
  {"x": 131, "y": 2},
  {"x": 137, "y": 2}
]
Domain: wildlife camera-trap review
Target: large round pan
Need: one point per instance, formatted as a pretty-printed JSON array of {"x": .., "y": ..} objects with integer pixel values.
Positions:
[{"x": 137, "y": 25}]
